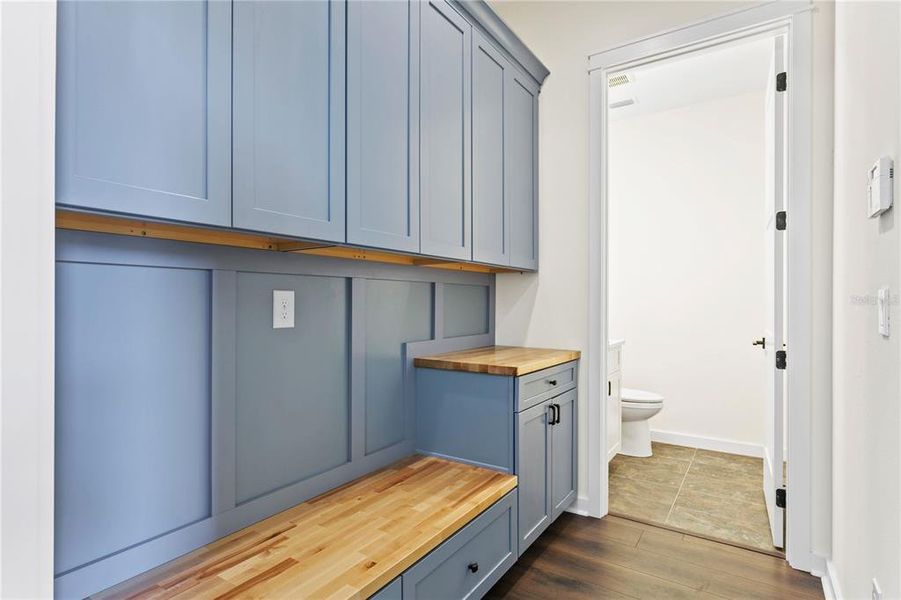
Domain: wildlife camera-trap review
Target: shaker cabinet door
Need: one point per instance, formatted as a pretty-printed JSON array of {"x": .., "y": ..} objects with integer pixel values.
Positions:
[
  {"x": 289, "y": 117},
  {"x": 445, "y": 121},
  {"x": 144, "y": 108},
  {"x": 383, "y": 124},
  {"x": 490, "y": 205},
  {"x": 533, "y": 470},
  {"x": 522, "y": 169},
  {"x": 563, "y": 453}
]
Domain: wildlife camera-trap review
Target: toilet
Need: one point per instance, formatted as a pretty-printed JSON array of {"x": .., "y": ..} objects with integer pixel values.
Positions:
[{"x": 638, "y": 407}]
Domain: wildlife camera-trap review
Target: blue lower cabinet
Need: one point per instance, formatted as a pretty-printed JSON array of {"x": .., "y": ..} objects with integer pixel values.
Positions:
[
  {"x": 392, "y": 591},
  {"x": 469, "y": 563},
  {"x": 524, "y": 425},
  {"x": 563, "y": 453},
  {"x": 533, "y": 459}
]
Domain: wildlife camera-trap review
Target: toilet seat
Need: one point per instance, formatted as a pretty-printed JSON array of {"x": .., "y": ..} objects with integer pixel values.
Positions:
[{"x": 633, "y": 396}]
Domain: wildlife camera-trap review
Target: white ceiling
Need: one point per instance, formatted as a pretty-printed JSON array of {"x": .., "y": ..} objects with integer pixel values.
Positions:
[{"x": 694, "y": 78}]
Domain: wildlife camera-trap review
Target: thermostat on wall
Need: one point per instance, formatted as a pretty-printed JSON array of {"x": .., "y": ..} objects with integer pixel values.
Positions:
[{"x": 880, "y": 180}]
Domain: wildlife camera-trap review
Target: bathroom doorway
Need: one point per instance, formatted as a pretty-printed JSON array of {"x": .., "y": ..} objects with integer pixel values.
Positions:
[{"x": 695, "y": 292}]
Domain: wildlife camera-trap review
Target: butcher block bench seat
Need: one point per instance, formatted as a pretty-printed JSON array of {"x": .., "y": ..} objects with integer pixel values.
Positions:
[{"x": 355, "y": 540}]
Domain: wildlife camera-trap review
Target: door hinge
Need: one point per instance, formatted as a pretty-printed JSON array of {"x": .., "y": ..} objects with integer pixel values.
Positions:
[
  {"x": 780, "y": 359},
  {"x": 780, "y": 497},
  {"x": 781, "y": 220},
  {"x": 781, "y": 81}
]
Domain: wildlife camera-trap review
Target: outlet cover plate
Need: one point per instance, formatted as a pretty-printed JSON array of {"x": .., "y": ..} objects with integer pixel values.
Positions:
[{"x": 282, "y": 309}]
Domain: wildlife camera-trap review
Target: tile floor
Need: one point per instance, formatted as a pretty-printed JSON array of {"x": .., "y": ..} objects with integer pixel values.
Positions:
[{"x": 708, "y": 493}]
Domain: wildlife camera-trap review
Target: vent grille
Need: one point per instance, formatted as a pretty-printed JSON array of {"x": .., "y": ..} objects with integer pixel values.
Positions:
[
  {"x": 622, "y": 103},
  {"x": 617, "y": 80}
]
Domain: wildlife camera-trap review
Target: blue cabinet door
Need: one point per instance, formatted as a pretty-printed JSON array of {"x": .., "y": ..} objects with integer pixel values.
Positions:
[
  {"x": 289, "y": 117},
  {"x": 533, "y": 470},
  {"x": 522, "y": 169},
  {"x": 383, "y": 124},
  {"x": 563, "y": 453},
  {"x": 144, "y": 108},
  {"x": 490, "y": 206},
  {"x": 445, "y": 122}
]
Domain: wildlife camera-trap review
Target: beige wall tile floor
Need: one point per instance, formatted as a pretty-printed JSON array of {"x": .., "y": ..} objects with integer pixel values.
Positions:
[{"x": 712, "y": 494}]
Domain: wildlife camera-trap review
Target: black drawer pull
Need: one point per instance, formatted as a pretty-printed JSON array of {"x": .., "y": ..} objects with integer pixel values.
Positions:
[
  {"x": 473, "y": 567},
  {"x": 552, "y": 381}
]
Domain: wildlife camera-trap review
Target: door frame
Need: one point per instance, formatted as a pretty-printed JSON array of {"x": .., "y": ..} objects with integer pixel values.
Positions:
[{"x": 792, "y": 19}]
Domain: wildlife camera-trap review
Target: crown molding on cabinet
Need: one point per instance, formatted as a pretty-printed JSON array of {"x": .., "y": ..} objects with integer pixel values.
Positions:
[{"x": 480, "y": 12}]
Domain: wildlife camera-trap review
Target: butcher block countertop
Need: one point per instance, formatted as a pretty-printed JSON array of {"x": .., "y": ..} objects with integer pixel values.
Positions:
[
  {"x": 347, "y": 543},
  {"x": 498, "y": 360}
]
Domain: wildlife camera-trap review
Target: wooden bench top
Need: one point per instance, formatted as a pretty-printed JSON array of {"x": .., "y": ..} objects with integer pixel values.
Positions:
[
  {"x": 498, "y": 360},
  {"x": 347, "y": 543}
]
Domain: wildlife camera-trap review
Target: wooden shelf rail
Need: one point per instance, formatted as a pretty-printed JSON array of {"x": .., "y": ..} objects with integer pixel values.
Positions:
[{"x": 81, "y": 221}]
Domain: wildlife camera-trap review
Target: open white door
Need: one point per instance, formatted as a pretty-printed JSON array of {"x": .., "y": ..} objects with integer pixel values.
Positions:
[{"x": 775, "y": 294}]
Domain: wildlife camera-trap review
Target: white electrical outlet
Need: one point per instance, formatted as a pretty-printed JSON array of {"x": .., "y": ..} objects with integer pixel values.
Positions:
[
  {"x": 877, "y": 591},
  {"x": 282, "y": 309}
]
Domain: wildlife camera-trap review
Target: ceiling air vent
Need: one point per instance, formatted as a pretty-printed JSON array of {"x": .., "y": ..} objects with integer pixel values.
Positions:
[
  {"x": 622, "y": 103},
  {"x": 617, "y": 80}
]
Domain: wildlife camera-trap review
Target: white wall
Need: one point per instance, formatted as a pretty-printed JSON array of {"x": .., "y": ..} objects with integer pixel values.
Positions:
[
  {"x": 550, "y": 308},
  {"x": 867, "y": 396},
  {"x": 687, "y": 263},
  {"x": 27, "y": 58}
]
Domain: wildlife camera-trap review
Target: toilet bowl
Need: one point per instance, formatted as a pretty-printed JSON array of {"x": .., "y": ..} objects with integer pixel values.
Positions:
[{"x": 638, "y": 408}]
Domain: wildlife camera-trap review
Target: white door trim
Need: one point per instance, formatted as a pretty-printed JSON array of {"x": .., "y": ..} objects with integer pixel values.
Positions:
[
  {"x": 793, "y": 19},
  {"x": 27, "y": 104}
]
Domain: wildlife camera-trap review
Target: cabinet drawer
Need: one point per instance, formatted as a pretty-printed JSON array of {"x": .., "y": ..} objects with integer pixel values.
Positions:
[
  {"x": 614, "y": 359},
  {"x": 470, "y": 562},
  {"x": 537, "y": 387}
]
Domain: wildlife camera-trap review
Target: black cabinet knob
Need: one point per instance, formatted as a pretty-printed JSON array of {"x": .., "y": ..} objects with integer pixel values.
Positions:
[
  {"x": 552, "y": 381},
  {"x": 473, "y": 567}
]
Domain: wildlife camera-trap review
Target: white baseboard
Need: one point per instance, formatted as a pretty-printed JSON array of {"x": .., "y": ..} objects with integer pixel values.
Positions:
[
  {"x": 707, "y": 443},
  {"x": 579, "y": 507},
  {"x": 831, "y": 590}
]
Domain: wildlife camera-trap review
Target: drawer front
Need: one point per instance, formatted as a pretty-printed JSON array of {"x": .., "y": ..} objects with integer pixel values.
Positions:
[
  {"x": 614, "y": 359},
  {"x": 392, "y": 591},
  {"x": 471, "y": 561},
  {"x": 535, "y": 388}
]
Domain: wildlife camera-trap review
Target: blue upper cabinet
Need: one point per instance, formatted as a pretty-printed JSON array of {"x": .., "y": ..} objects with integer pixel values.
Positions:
[
  {"x": 445, "y": 129},
  {"x": 289, "y": 117},
  {"x": 521, "y": 172},
  {"x": 144, "y": 108},
  {"x": 490, "y": 205},
  {"x": 383, "y": 124}
]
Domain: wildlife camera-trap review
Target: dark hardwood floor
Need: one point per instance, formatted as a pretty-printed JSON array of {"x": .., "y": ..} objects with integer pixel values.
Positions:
[{"x": 579, "y": 557}]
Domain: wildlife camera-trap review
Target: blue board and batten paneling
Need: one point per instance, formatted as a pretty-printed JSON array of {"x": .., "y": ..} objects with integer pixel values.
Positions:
[
  {"x": 183, "y": 416},
  {"x": 397, "y": 312},
  {"x": 132, "y": 406},
  {"x": 289, "y": 118},
  {"x": 144, "y": 118},
  {"x": 293, "y": 408},
  {"x": 466, "y": 310}
]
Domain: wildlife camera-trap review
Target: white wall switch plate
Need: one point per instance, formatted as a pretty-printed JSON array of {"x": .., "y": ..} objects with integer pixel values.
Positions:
[
  {"x": 282, "y": 309},
  {"x": 883, "y": 301},
  {"x": 880, "y": 184}
]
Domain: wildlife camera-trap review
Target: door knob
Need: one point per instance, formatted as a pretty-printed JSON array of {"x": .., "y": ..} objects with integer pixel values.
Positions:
[
  {"x": 761, "y": 342},
  {"x": 473, "y": 567}
]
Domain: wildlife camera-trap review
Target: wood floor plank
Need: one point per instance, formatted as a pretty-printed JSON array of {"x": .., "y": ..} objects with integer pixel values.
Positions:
[{"x": 579, "y": 557}]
